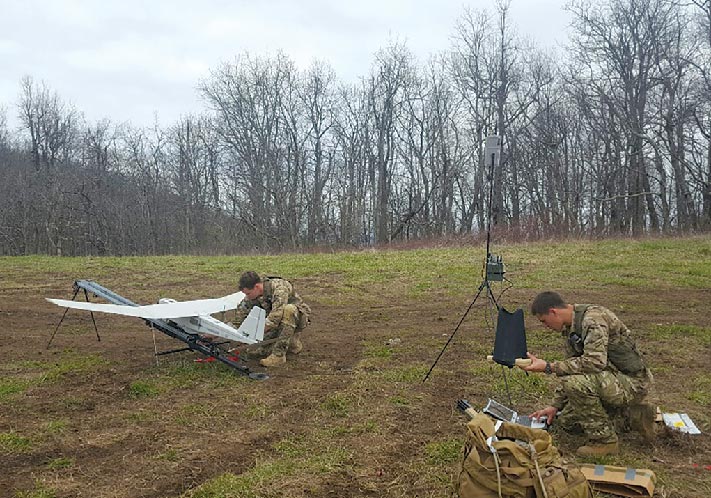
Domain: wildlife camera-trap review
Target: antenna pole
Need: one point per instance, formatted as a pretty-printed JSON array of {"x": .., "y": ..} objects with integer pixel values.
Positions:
[
  {"x": 492, "y": 154},
  {"x": 493, "y": 266}
]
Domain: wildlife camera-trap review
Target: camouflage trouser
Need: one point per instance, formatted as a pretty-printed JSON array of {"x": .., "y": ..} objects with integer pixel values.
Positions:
[
  {"x": 590, "y": 396},
  {"x": 292, "y": 323}
]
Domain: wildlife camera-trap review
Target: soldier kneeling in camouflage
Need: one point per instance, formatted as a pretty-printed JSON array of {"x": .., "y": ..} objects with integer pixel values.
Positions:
[
  {"x": 287, "y": 316},
  {"x": 603, "y": 370}
]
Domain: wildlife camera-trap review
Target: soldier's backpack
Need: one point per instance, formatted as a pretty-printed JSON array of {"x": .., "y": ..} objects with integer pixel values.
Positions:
[{"x": 506, "y": 459}]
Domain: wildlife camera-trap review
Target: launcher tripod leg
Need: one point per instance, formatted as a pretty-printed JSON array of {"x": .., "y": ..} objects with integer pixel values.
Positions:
[
  {"x": 76, "y": 291},
  {"x": 484, "y": 285},
  {"x": 86, "y": 296}
]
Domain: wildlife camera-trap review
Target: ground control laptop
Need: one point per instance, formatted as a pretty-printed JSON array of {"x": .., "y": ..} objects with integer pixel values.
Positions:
[{"x": 506, "y": 414}]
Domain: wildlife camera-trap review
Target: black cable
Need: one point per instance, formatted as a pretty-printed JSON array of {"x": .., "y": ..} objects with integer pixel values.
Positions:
[{"x": 511, "y": 284}]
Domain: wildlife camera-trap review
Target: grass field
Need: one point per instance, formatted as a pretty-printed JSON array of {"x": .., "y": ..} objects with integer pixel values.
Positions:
[{"x": 350, "y": 416}]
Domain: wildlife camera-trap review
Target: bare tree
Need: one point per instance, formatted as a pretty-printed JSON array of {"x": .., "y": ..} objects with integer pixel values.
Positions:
[
  {"x": 52, "y": 128},
  {"x": 351, "y": 178},
  {"x": 248, "y": 97},
  {"x": 4, "y": 133},
  {"x": 617, "y": 44},
  {"x": 50, "y": 122},
  {"x": 612, "y": 136},
  {"x": 317, "y": 95},
  {"x": 676, "y": 107},
  {"x": 700, "y": 157},
  {"x": 389, "y": 76}
]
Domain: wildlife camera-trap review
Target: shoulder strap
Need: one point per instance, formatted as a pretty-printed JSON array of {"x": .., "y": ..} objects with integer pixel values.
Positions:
[
  {"x": 267, "y": 286},
  {"x": 580, "y": 310}
]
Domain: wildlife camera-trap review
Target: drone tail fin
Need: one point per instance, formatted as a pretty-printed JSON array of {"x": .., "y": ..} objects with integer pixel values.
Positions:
[
  {"x": 261, "y": 322},
  {"x": 253, "y": 325}
]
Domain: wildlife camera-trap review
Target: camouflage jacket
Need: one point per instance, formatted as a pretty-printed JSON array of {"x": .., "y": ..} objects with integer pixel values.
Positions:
[
  {"x": 277, "y": 293},
  {"x": 597, "y": 340}
]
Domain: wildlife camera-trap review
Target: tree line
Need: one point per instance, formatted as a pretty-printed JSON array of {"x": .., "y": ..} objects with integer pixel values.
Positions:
[{"x": 611, "y": 135}]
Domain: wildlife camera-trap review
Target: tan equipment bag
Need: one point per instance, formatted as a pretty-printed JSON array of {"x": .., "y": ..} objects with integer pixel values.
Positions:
[{"x": 505, "y": 459}]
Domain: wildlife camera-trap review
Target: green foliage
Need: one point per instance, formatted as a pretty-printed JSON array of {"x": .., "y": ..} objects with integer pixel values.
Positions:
[
  {"x": 74, "y": 363},
  {"x": 337, "y": 405},
  {"x": 702, "y": 390},
  {"x": 483, "y": 371},
  {"x": 257, "y": 410},
  {"x": 246, "y": 485},
  {"x": 257, "y": 480},
  {"x": 55, "y": 426},
  {"x": 539, "y": 341},
  {"x": 189, "y": 373},
  {"x": 20, "y": 366},
  {"x": 399, "y": 401},
  {"x": 328, "y": 461},
  {"x": 408, "y": 374},
  {"x": 11, "y": 442},
  {"x": 369, "y": 426},
  {"x": 37, "y": 373},
  {"x": 293, "y": 447},
  {"x": 422, "y": 288},
  {"x": 40, "y": 491},
  {"x": 373, "y": 351},
  {"x": 9, "y": 387},
  {"x": 630, "y": 263},
  {"x": 170, "y": 455},
  {"x": 59, "y": 463},
  {"x": 519, "y": 383},
  {"x": 681, "y": 333},
  {"x": 443, "y": 452},
  {"x": 700, "y": 397},
  {"x": 142, "y": 389}
]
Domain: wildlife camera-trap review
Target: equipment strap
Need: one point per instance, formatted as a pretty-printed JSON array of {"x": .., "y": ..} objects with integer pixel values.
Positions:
[{"x": 580, "y": 310}]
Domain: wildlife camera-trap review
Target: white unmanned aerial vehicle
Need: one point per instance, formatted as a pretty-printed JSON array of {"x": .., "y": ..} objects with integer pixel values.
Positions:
[
  {"x": 191, "y": 316},
  {"x": 187, "y": 321}
]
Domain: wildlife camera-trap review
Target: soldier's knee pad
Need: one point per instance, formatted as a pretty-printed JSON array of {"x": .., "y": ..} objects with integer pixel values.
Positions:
[
  {"x": 290, "y": 315},
  {"x": 577, "y": 384}
]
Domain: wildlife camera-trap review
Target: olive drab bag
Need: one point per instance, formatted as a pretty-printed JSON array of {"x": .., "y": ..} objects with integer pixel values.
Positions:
[{"x": 506, "y": 459}]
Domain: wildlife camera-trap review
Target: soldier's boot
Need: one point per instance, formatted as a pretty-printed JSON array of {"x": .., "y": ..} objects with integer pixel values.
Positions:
[
  {"x": 295, "y": 345},
  {"x": 600, "y": 449},
  {"x": 273, "y": 360},
  {"x": 642, "y": 420}
]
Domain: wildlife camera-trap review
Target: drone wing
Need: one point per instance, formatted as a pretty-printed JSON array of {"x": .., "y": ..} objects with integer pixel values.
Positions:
[{"x": 162, "y": 310}]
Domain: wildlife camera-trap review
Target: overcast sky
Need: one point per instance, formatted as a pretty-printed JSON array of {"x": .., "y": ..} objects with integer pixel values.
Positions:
[{"x": 129, "y": 60}]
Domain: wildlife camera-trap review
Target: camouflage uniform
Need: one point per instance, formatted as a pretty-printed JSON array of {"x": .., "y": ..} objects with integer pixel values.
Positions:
[
  {"x": 603, "y": 371},
  {"x": 287, "y": 315}
]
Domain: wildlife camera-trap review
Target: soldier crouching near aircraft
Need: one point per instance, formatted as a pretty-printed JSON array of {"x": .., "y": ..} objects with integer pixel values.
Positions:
[
  {"x": 287, "y": 316},
  {"x": 603, "y": 371}
]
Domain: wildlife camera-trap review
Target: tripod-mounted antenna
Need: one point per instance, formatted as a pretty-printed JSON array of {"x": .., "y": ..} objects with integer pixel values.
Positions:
[{"x": 493, "y": 265}]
